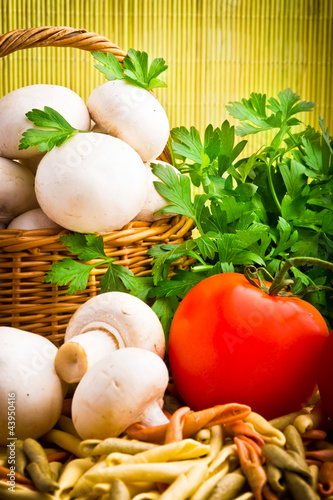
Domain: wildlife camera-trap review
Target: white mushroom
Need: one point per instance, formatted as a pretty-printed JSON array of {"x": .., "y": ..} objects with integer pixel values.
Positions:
[
  {"x": 32, "y": 219},
  {"x": 93, "y": 183},
  {"x": 30, "y": 386},
  {"x": 123, "y": 388},
  {"x": 17, "y": 192},
  {"x": 154, "y": 201},
  {"x": 106, "y": 323},
  {"x": 15, "y": 105},
  {"x": 131, "y": 113}
]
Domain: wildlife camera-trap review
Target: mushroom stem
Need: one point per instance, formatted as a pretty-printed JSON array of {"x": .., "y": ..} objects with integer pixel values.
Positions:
[
  {"x": 83, "y": 351},
  {"x": 155, "y": 416}
]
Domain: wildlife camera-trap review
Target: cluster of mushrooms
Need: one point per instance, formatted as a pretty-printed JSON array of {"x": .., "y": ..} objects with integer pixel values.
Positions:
[
  {"x": 112, "y": 354},
  {"x": 94, "y": 182}
]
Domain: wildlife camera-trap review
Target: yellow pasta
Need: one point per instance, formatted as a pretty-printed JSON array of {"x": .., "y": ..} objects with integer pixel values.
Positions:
[
  {"x": 186, "y": 483},
  {"x": 216, "y": 441},
  {"x": 95, "y": 447},
  {"x": 65, "y": 441},
  {"x": 150, "y": 495},
  {"x": 70, "y": 475},
  {"x": 156, "y": 472},
  {"x": 179, "y": 450},
  {"x": 269, "y": 433},
  {"x": 205, "y": 489},
  {"x": 228, "y": 450}
]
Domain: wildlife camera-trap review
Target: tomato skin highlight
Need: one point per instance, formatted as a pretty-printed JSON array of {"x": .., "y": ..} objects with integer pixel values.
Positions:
[
  {"x": 231, "y": 342},
  {"x": 325, "y": 375}
]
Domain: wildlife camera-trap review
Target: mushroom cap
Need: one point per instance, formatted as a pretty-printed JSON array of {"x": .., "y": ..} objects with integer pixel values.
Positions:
[
  {"x": 27, "y": 371},
  {"x": 15, "y": 105},
  {"x": 154, "y": 201},
  {"x": 32, "y": 219},
  {"x": 131, "y": 113},
  {"x": 93, "y": 183},
  {"x": 127, "y": 318},
  {"x": 117, "y": 392},
  {"x": 17, "y": 192}
]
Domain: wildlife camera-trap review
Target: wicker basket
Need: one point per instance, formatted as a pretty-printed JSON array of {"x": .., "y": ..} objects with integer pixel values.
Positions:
[{"x": 27, "y": 302}]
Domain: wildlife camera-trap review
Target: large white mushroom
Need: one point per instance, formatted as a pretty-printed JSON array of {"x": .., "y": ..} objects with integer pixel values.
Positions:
[
  {"x": 30, "y": 387},
  {"x": 123, "y": 388},
  {"x": 93, "y": 183},
  {"x": 131, "y": 113},
  {"x": 15, "y": 105},
  {"x": 102, "y": 325},
  {"x": 154, "y": 201},
  {"x": 17, "y": 192},
  {"x": 32, "y": 219}
]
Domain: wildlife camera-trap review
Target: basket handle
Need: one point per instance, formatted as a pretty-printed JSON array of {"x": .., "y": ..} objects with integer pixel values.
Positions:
[{"x": 62, "y": 36}]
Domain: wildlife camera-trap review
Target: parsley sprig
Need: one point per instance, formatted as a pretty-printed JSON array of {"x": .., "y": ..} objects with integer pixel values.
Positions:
[
  {"x": 135, "y": 68},
  {"x": 54, "y": 132},
  {"x": 90, "y": 252},
  {"x": 253, "y": 113}
]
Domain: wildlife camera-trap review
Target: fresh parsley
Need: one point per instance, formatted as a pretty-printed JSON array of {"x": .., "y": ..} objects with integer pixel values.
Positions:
[
  {"x": 261, "y": 209},
  {"x": 89, "y": 249},
  {"x": 134, "y": 68},
  {"x": 54, "y": 132}
]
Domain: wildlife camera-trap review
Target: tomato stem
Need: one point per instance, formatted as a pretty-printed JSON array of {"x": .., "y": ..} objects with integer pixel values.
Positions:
[
  {"x": 280, "y": 282},
  {"x": 257, "y": 281}
]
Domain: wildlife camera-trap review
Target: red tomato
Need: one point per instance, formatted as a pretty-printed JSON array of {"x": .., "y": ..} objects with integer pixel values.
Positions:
[
  {"x": 325, "y": 375},
  {"x": 231, "y": 342}
]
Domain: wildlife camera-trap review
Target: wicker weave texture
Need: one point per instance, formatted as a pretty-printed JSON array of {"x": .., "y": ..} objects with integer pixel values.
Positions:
[{"x": 26, "y": 301}]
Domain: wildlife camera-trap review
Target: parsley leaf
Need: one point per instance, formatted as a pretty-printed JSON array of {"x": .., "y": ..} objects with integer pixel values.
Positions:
[
  {"x": 69, "y": 272},
  {"x": 175, "y": 188},
  {"x": 165, "y": 308},
  {"x": 135, "y": 68},
  {"x": 253, "y": 113},
  {"x": 85, "y": 246},
  {"x": 56, "y": 130},
  {"x": 205, "y": 161},
  {"x": 289, "y": 104},
  {"x": 109, "y": 65},
  {"x": 76, "y": 274}
]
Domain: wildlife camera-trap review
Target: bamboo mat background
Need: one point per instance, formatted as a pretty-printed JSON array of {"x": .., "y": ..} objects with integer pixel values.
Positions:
[{"x": 217, "y": 50}]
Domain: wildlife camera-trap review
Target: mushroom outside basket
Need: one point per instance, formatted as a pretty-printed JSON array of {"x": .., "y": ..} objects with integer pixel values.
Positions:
[{"x": 26, "y": 302}]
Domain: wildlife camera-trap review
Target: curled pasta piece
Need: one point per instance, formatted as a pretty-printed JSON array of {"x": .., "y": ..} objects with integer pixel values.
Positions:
[
  {"x": 268, "y": 432},
  {"x": 193, "y": 422},
  {"x": 251, "y": 467}
]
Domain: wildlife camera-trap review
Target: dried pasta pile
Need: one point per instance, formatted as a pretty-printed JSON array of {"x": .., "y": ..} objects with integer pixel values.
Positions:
[{"x": 227, "y": 452}]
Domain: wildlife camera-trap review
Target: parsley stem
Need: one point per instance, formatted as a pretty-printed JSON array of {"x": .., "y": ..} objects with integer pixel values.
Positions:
[
  {"x": 271, "y": 185},
  {"x": 173, "y": 160},
  {"x": 199, "y": 268}
]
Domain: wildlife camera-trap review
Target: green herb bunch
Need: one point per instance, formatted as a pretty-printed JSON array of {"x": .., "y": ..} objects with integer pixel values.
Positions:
[{"x": 256, "y": 210}]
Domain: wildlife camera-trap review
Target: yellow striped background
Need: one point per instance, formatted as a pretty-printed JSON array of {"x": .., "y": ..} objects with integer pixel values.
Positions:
[{"x": 217, "y": 50}]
